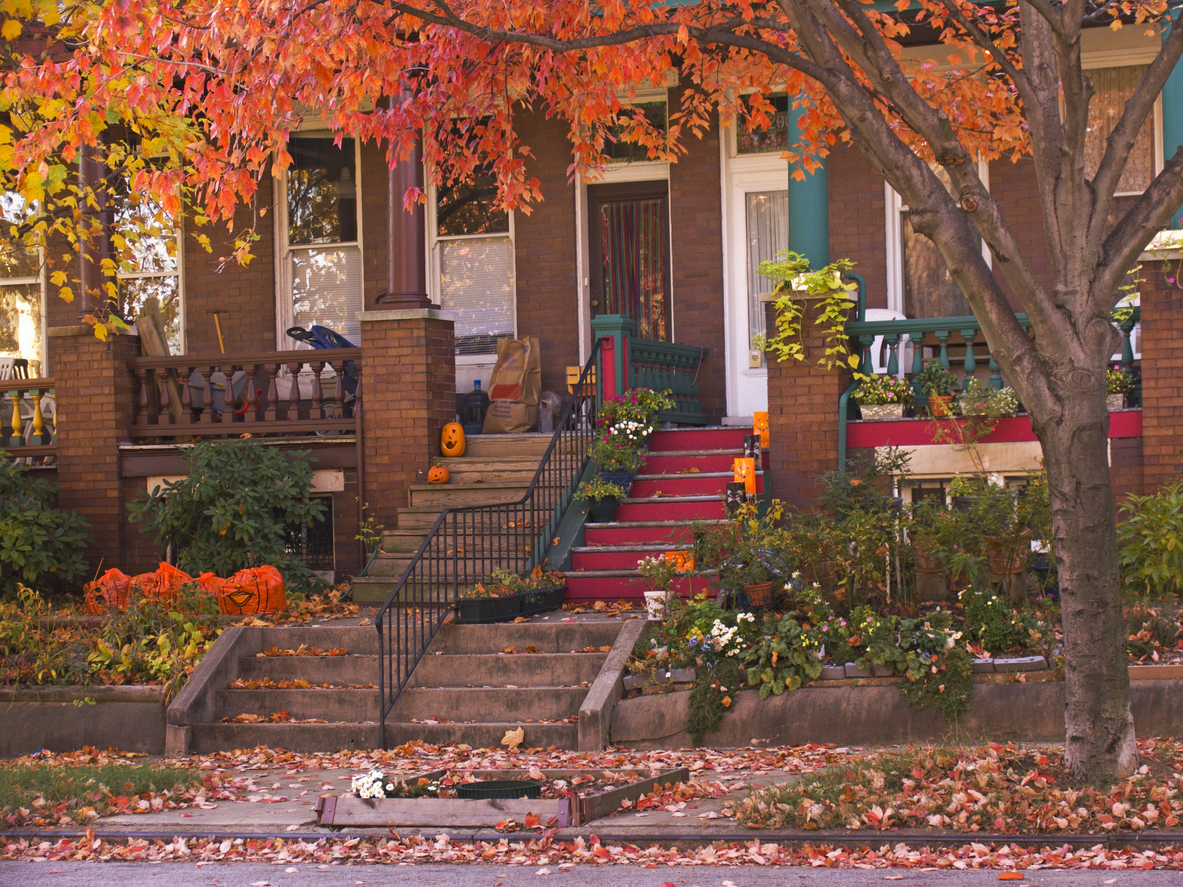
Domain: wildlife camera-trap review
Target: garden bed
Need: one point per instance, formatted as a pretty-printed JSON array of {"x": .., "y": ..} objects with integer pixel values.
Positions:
[{"x": 561, "y": 804}]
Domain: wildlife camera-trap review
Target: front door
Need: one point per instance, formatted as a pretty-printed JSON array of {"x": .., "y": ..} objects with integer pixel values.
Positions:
[{"x": 628, "y": 245}]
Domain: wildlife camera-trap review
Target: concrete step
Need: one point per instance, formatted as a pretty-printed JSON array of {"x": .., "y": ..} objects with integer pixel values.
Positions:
[
  {"x": 317, "y": 669},
  {"x": 300, "y": 738},
  {"x": 501, "y": 446},
  {"x": 393, "y": 566},
  {"x": 562, "y": 736},
  {"x": 675, "y": 534},
  {"x": 332, "y": 705},
  {"x": 400, "y": 541},
  {"x": 520, "y": 669},
  {"x": 485, "y": 705},
  {"x": 421, "y": 518},
  {"x": 451, "y": 495},
  {"x": 546, "y": 637},
  {"x": 358, "y": 640}
]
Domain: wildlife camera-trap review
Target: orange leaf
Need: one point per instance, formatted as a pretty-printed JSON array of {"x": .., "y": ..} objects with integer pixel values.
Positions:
[{"x": 1011, "y": 876}]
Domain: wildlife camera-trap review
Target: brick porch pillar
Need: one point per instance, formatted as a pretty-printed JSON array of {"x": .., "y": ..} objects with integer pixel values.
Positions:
[
  {"x": 1162, "y": 373},
  {"x": 96, "y": 399},
  {"x": 408, "y": 394},
  {"x": 802, "y": 417}
]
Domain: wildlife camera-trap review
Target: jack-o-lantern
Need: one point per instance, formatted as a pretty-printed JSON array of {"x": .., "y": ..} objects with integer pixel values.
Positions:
[
  {"x": 251, "y": 591},
  {"x": 452, "y": 440},
  {"x": 437, "y": 474}
]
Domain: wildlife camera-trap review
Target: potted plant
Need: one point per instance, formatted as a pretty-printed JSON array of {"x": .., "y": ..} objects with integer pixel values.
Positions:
[
  {"x": 883, "y": 397},
  {"x": 508, "y": 595},
  {"x": 619, "y": 450},
  {"x": 751, "y": 568},
  {"x": 602, "y": 496},
  {"x": 659, "y": 573},
  {"x": 938, "y": 383},
  {"x": 833, "y": 299},
  {"x": 979, "y": 399},
  {"x": 637, "y": 405},
  {"x": 1119, "y": 384}
]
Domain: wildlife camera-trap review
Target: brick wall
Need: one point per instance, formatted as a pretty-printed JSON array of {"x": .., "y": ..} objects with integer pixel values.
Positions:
[
  {"x": 802, "y": 419},
  {"x": 696, "y": 230},
  {"x": 96, "y": 397},
  {"x": 858, "y": 227},
  {"x": 409, "y": 368},
  {"x": 246, "y": 293},
  {"x": 544, "y": 254},
  {"x": 1162, "y": 374},
  {"x": 1013, "y": 186}
]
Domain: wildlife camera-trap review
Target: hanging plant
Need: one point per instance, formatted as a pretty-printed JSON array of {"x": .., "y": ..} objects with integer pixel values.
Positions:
[{"x": 825, "y": 287}]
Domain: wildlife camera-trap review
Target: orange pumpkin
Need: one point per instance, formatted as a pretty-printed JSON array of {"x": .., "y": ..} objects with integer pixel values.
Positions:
[
  {"x": 452, "y": 440},
  {"x": 437, "y": 474},
  {"x": 251, "y": 591}
]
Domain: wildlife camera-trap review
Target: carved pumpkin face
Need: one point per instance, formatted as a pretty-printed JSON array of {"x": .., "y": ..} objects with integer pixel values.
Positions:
[
  {"x": 437, "y": 475},
  {"x": 452, "y": 440}
]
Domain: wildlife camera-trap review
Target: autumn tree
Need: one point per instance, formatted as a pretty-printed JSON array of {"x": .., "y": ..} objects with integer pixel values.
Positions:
[{"x": 217, "y": 87}]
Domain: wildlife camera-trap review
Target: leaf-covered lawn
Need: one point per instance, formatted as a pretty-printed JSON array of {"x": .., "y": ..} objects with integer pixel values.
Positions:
[{"x": 1003, "y": 789}]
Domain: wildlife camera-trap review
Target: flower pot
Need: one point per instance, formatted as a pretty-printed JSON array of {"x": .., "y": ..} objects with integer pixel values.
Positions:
[
  {"x": 759, "y": 594},
  {"x": 602, "y": 511},
  {"x": 623, "y": 479},
  {"x": 972, "y": 405},
  {"x": 926, "y": 559},
  {"x": 1008, "y": 555},
  {"x": 656, "y": 603},
  {"x": 543, "y": 600},
  {"x": 875, "y": 412},
  {"x": 940, "y": 406},
  {"x": 1115, "y": 401},
  {"x": 477, "y": 610}
]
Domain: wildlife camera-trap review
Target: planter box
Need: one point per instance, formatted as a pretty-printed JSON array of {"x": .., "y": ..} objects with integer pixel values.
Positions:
[
  {"x": 876, "y": 412},
  {"x": 479, "y": 610},
  {"x": 69, "y": 718},
  {"x": 547, "y": 599}
]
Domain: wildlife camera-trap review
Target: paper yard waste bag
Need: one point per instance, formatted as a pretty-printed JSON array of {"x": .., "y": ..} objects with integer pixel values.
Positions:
[{"x": 514, "y": 387}]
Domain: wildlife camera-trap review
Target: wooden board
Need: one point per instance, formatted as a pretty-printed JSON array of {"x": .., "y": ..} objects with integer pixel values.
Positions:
[
  {"x": 347, "y": 810},
  {"x": 150, "y": 325}
]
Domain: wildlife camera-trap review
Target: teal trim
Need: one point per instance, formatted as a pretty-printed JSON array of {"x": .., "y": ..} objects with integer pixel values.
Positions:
[
  {"x": 570, "y": 531},
  {"x": 809, "y": 206},
  {"x": 1172, "y": 114},
  {"x": 617, "y": 327}
]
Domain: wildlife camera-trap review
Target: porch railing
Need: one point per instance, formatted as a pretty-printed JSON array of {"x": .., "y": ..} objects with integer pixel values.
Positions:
[
  {"x": 903, "y": 342},
  {"x": 28, "y": 418},
  {"x": 630, "y": 362},
  {"x": 465, "y": 545},
  {"x": 283, "y": 392}
]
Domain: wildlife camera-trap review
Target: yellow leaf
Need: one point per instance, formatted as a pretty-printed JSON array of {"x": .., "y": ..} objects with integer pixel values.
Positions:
[
  {"x": 11, "y": 29},
  {"x": 513, "y": 738},
  {"x": 852, "y": 359},
  {"x": 100, "y": 332}
]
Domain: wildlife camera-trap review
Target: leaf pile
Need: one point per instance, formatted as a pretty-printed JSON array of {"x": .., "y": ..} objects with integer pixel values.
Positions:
[{"x": 1005, "y": 789}]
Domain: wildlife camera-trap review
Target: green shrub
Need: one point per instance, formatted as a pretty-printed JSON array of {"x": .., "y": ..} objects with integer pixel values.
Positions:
[
  {"x": 230, "y": 510},
  {"x": 1150, "y": 542},
  {"x": 39, "y": 544}
]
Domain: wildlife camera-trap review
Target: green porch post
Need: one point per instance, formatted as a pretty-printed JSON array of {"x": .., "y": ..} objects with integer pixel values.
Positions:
[
  {"x": 809, "y": 206},
  {"x": 1172, "y": 116},
  {"x": 612, "y": 376}
]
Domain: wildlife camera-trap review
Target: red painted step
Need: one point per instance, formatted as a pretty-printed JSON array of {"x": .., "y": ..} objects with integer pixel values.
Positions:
[
  {"x": 671, "y": 509},
  {"x": 612, "y": 559},
  {"x": 635, "y": 534},
  {"x": 646, "y": 485},
  {"x": 598, "y": 587},
  {"x": 698, "y": 439}
]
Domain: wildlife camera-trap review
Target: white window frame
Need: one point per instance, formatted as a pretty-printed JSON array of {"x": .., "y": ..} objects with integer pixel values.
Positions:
[
  {"x": 473, "y": 363},
  {"x": 284, "y": 305},
  {"x": 41, "y": 282}
]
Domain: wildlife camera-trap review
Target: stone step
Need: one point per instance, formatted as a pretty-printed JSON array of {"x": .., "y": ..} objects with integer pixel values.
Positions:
[
  {"x": 316, "y": 669},
  {"x": 614, "y": 585},
  {"x": 451, "y": 495},
  {"x": 484, "y": 705},
  {"x": 546, "y": 637},
  {"x": 372, "y": 591},
  {"x": 562, "y": 736},
  {"x": 359, "y": 640},
  {"x": 502, "y": 446},
  {"x": 470, "y": 569},
  {"x": 333, "y": 705},
  {"x": 400, "y": 541},
  {"x": 520, "y": 669},
  {"x": 299, "y": 738}
]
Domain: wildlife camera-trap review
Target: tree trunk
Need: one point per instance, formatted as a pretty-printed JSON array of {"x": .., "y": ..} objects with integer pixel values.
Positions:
[{"x": 1100, "y": 728}]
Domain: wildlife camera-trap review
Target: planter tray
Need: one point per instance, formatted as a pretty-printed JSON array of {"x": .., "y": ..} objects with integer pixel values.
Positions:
[
  {"x": 483, "y": 610},
  {"x": 349, "y": 810}
]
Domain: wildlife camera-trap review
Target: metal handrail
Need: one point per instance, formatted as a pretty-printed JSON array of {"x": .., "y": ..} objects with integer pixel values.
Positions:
[{"x": 465, "y": 545}]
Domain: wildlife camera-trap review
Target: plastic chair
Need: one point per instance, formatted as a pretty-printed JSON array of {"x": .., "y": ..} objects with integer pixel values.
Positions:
[{"x": 880, "y": 353}]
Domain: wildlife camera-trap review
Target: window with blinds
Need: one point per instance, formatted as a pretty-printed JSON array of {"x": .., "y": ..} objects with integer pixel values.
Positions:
[
  {"x": 21, "y": 294},
  {"x": 767, "y": 234}
]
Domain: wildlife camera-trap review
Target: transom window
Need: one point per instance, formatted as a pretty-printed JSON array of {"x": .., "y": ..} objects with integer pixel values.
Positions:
[
  {"x": 22, "y": 294},
  {"x": 753, "y": 140}
]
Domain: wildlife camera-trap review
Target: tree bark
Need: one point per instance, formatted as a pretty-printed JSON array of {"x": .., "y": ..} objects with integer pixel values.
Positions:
[{"x": 1099, "y": 726}]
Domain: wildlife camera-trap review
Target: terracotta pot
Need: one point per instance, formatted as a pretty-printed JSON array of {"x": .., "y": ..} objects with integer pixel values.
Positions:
[
  {"x": 940, "y": 406},
  {"x": 926, "y": 559},
  {"x": 760, "y": 594},
  {"x": 1009, "y": 555}
]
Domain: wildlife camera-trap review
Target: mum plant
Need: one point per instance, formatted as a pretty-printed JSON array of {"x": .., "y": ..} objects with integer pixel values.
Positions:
[
  {"x": 874, "y": 390},
  {"x": 1119, "y": 380},
  {"x": 637, "y": 405},
  {"x": 599, "y": 488}
]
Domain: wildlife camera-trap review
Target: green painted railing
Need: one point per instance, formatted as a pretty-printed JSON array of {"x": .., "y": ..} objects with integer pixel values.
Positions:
[
  {"x": 30, "y": 416},
  {"x": 940, "y": 333},
  {"x": 630, "y": 362}
]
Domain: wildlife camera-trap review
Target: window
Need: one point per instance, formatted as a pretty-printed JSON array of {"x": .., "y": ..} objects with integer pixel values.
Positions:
[
  {"x": 474, "y": 263},
  {"x": 322, "y": 244},
  {"x": 767, "y": 220},
  {"x": 628, "y": 152},
  {"x": 1113, "y": 87},
  {"x": 750, "y": 140},
  {"x": 22, "y": 295},
  {"x": 147, "y": 253}
]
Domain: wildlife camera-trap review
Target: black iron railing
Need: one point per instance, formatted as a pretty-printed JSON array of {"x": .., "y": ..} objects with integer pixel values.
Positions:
[{"x": 465, "y": 546}]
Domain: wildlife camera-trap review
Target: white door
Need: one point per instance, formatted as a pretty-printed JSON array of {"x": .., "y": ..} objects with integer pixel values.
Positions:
[{"x": 757, "y": 227}]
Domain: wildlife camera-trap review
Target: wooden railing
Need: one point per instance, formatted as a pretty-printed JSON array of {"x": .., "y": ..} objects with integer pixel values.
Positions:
[
  {"x": 277, "y": 393},
  {"x": 28, "y": 420},
  {"x": 630, "y": 362}
]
